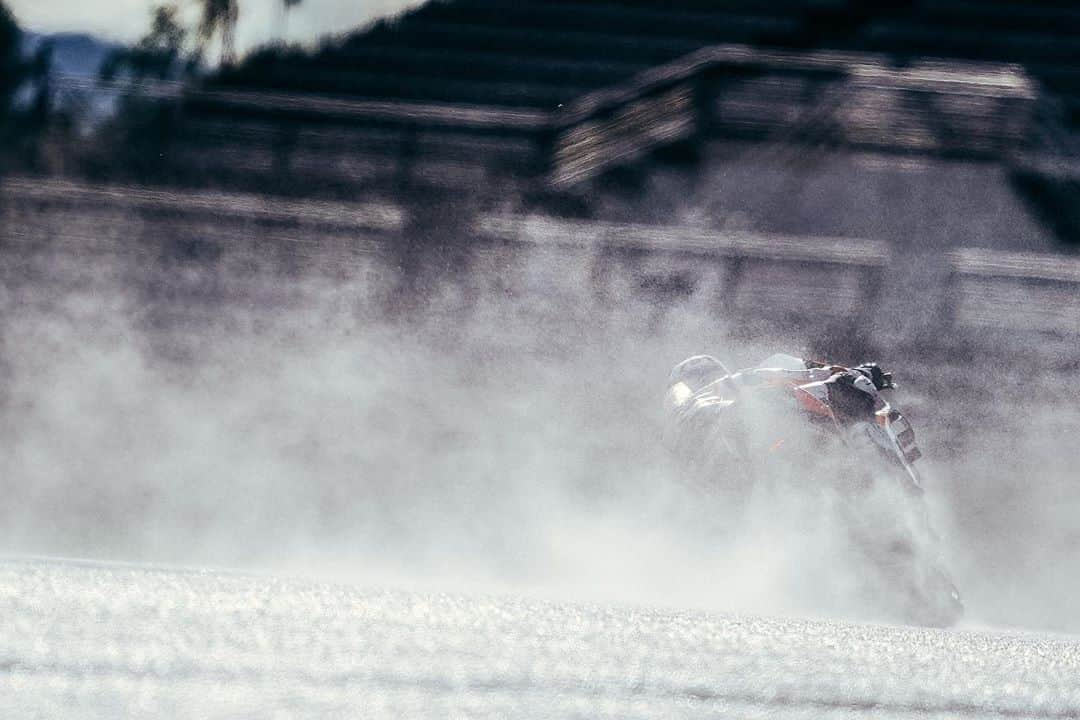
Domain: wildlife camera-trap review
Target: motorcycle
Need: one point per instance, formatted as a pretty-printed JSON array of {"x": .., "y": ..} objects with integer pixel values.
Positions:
[{"x": 784, "y": 437}]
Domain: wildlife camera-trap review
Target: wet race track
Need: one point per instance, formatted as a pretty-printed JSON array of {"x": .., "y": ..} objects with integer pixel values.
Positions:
[{"x": 93, "y": 640}]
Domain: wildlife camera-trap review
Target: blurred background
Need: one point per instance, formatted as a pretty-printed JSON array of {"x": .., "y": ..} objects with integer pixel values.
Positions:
[{"x": 393, "y": 289}]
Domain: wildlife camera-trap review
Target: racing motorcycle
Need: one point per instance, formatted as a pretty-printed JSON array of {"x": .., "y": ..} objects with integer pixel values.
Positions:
[{"x": 787, "y": 437}]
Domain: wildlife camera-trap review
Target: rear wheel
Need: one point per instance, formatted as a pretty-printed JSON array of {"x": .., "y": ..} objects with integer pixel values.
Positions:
[
  {"x": 911, "y": 588},
  {"x": 892, "y": 532},
  {"x": 937, "y": 603}
]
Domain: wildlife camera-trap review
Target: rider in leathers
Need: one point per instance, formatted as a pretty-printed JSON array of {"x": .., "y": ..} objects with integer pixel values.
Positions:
[{"x": 703, "y": 402}]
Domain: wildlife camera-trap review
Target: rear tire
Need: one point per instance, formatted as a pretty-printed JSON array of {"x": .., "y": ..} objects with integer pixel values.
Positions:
[{"x": 939, "y": 603}]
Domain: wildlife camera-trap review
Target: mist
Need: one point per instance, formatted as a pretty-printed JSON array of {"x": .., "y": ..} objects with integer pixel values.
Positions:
[{"x": 276, "y": 407}]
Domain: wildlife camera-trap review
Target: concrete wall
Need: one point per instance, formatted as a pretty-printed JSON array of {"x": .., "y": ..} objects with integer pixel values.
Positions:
[{"x": 918, "y": 204}]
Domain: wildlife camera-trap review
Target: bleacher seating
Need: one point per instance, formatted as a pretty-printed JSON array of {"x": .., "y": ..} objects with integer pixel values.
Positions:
[
  {"x": 540, "y": 55},
  {"x": 468, "y": 51}
]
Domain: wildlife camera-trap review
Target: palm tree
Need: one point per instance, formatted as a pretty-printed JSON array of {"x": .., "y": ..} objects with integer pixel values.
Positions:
[{"x": 219, "y": 17}]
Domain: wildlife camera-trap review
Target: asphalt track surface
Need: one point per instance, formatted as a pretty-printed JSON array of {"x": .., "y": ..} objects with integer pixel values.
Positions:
[{"x": 93, "y": 640}]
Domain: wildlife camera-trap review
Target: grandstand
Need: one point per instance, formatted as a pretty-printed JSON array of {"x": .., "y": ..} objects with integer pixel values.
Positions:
[
  {"x": 519, "y": 99},
  {"x": 538, "y": 54}
]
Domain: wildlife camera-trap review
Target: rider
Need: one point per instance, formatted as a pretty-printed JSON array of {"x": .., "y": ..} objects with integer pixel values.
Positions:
[{"x": 701, "y": 393}]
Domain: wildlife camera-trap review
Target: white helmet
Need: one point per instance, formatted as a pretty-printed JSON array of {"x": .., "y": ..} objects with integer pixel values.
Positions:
[{"x": 696, "y": 372}]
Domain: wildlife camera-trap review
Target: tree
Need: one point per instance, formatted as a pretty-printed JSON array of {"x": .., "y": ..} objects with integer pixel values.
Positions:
[
  {"x": 159, "y": 55},
  {"x": 24, "y": 116},
  {"x": 219, "y": 18},
  {"x": 135, "y": 142},
  {"x": 13, "y": 68}
]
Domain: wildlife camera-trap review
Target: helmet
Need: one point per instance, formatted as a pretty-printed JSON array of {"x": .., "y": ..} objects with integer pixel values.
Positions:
[
  {"x": 873, "y": 372},
  {"x": 696, "y": 372}
]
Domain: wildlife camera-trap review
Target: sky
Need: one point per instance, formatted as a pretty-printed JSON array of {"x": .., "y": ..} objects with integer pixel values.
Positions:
[{"x": 260, "y": 20}]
